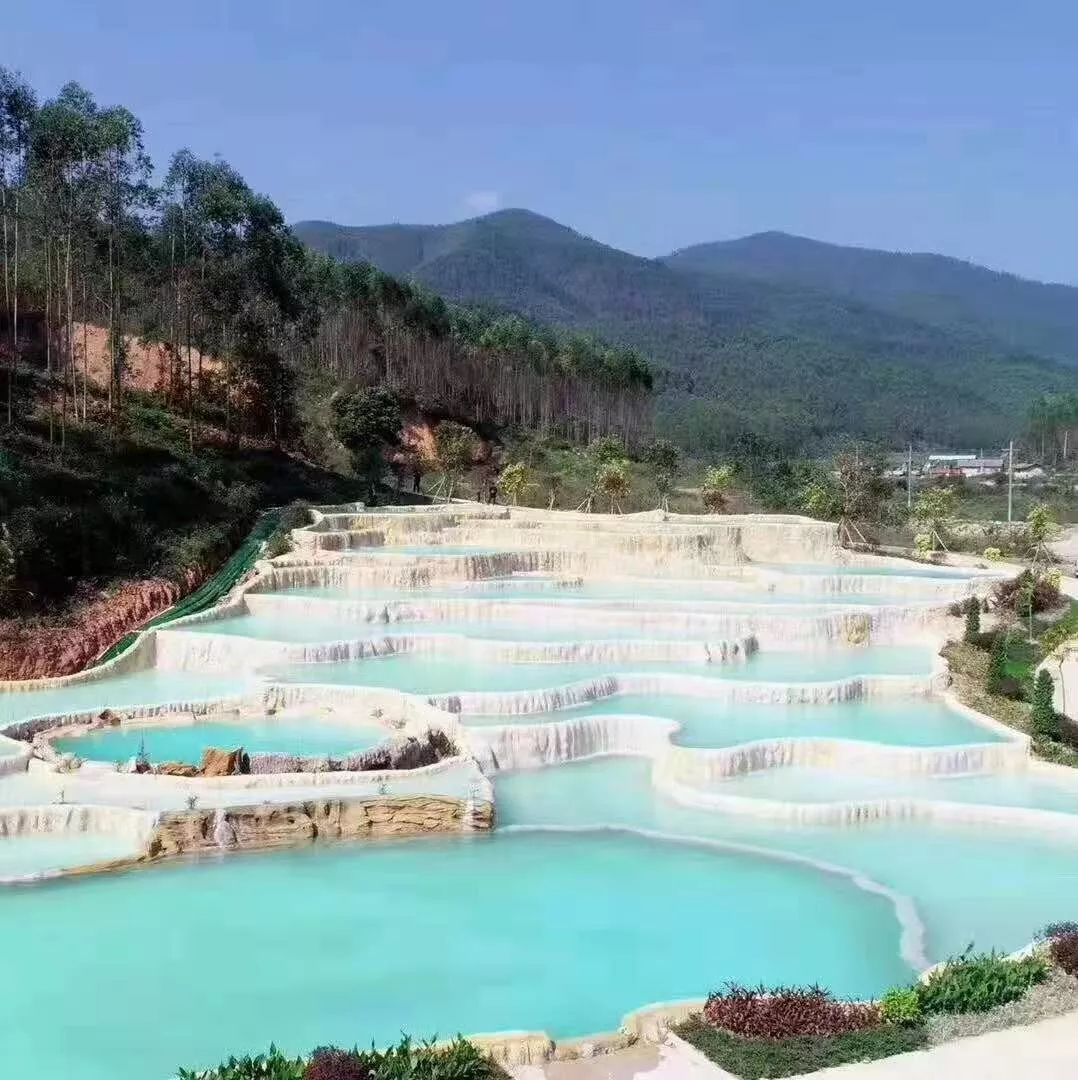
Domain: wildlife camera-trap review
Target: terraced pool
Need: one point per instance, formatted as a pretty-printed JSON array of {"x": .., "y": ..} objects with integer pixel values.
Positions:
[
  {"x": 604, "y": 887},
  {"x": 311, "y": 735}
]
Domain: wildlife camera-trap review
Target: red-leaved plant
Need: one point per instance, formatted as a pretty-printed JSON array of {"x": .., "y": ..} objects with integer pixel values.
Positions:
[
  {"x": 329, "y": 1063},
  {"x": 783, "y": 1012},
  {"x": 1064, "y": 949}
]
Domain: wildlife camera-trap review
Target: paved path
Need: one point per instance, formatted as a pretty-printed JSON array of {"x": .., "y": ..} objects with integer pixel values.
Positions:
[
  {"x": 1047, "y": 1050},
  {"x": 1065, "y": 548},
  {"x": 643, "y": 1061}
]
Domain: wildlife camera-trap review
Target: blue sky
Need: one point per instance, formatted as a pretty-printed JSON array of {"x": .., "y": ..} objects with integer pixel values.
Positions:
[{"x": 948, "y": 126}]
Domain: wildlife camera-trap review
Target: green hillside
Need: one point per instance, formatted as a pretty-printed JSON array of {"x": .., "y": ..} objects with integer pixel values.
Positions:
[
  {"x": 782, "y": 360},
  {"x": 945, "y": 292}
]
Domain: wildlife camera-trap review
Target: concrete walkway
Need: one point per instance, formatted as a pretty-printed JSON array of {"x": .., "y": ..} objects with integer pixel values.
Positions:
[
  {"x": 642, "y": 1060},
  {"x": 1047, "y": 1050}
]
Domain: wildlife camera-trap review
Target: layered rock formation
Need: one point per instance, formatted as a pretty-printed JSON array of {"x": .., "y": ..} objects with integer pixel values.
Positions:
[{"x": 267, "y": 825}]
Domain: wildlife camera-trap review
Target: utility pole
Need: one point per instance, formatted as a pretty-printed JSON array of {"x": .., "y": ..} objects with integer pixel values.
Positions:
[
  {"x": 1010, "y": 483},
  {"x": 909, "y": 478}
]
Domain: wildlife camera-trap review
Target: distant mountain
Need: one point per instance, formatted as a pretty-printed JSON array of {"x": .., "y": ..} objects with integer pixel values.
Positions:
[
  {"x": 796, "y": 362},
  {"x": 934, "y": 289}
]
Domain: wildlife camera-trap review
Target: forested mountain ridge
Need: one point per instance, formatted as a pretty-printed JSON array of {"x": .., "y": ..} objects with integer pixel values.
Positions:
[
  {"x": 936, "y": 289},
  {"x": 793, "y": 363}
]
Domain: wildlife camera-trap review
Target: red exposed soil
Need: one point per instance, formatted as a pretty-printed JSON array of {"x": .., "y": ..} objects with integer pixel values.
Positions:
[
  {"x": 148, "y": 362},
  {"x": 40, "y": 652}
]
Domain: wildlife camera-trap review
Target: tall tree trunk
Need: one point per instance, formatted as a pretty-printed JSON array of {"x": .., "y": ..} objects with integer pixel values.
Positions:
[
  {"x": 48, "y": 335},
  {"x": 7, "y": 276},
  {"x": 112, "y": 334},
  {"x": 85, "y": 349},
  {"x": 14, "y": 358}
]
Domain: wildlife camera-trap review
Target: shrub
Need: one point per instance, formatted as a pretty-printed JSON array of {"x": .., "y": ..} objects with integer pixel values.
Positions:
[
  {"x": 785, "y": 1011},
  {"x": 997, "y": 664},
  {"x": 756, "y": 1058},
  {"x": 1064, "y": 950},
  {"x": 977, "y": 983},
  {"x": 329, "y": 1063},
  {"x": 1043, "y": 717},
  {"x": 1010, "y": 687},
  {"x": 293, "y": 516},
  {"x": 270, "y": 1066},
  {"x": 901, "y": 1005},
  {"x": 459, "y": 1060},
  {"x": 1017, "y": 594},
  {"x": 972, "y": 632},
  {"x": 1057, "y": 929}
]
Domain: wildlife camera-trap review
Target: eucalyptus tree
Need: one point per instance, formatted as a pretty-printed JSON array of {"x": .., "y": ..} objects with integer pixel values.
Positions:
[
  {"x": 612, "y": 480},
  {"x": 68, "y": 144},
  {"x": 663, "y": 457},
  {"x": 715, "y": 487},
  {"x": 17, "y": 108},
  {"x": 125, "y": 169},
  {"x": 514, "y": 480},
  {"x": 455, "y": 447}
]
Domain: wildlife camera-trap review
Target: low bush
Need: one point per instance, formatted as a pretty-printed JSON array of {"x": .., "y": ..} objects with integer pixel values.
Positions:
[
  {"x": 1057, "y": 929},
  {"x": 1010, "y": 687},
  {"x": 329, "y": 1063},
  {"x": 293, "y": 516},
  {"x": 754, "y": 1058},
  {"x": 1016, "y": 594},
  {"x": 270, "y": 1066},
  {"x": 977, "y": 983},
  {"x": 1064, "y": 950},
  {"x": 458, "y": 1060},
  {"x": 901, "y": 1005},
  {"x": 785, "y": 1011}
]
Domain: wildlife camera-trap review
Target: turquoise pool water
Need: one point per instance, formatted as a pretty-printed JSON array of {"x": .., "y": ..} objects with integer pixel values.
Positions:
[
  {"x": 312, "y": 736},
  {"x": 994, "y": 887},
  {"x": 447, "y": 550},
  {"x": 430, "y": 675},
  {"x": 280, "y": 628},
  {"x": 908, "y": 569},
  {"x": 561, "y": 930},
  {"x": 704, "y": 723},
  {"x": 148, "y": 687},
  {"x": 24, "y": 855},
  {"x": 802, "y": 784},
  {"x": 590, "y": 627},
  {"x": 558, "y": 932},
  {"x": 673, "y": 594}
]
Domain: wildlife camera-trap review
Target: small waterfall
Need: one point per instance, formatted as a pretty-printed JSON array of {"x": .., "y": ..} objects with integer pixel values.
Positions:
[{"x": 224, "y": 835}]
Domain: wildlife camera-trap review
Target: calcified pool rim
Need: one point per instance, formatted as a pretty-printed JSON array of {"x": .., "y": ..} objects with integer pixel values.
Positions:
[
  {"x": 614, "y": 547},
  {"x": 317, "y": 545}
]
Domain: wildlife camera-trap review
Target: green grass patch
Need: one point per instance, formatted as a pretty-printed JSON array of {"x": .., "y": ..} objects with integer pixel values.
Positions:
[
  {"x": 977, "y": 983},
  {"x": 753, "y": 1059}
]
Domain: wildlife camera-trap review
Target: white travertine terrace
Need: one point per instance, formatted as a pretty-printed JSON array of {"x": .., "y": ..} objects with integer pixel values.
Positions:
[
  {"x": 715, "y": 557},
  {"x": 731, "y": 573}
]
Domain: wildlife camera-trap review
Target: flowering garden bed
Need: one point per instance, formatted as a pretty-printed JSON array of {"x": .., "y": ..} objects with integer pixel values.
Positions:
[{"x": 789, "y": 1031}]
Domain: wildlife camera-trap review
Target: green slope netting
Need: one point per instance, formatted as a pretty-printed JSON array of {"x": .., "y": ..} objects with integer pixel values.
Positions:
[{"x": 241, "y": 560}]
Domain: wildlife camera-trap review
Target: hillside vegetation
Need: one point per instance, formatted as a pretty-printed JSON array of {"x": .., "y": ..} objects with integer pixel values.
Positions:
[
  {"x": 1025, "y": 315},
  {"x": 172, "y": 359},
  {"x": 787, "y": 360}
]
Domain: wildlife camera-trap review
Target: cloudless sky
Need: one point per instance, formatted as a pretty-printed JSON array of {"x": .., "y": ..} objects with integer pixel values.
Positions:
[{"x": 949, "y": 125}]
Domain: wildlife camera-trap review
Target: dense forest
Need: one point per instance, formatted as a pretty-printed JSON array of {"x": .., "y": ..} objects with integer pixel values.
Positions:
[
  {"x": 787, "y": 361},
  {"x": 170, "y": 355},
  {"x": 1029, "y": 316}
]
